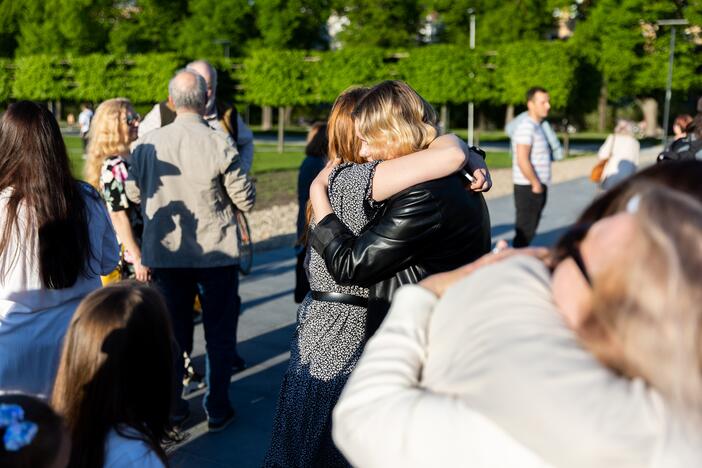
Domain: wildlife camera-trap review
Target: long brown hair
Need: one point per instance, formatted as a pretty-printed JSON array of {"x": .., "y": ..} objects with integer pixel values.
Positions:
[
  {"x": 36, "y": 177},
  {"x": 116, "y": 371},
  {"x": 344, "y": 147}
]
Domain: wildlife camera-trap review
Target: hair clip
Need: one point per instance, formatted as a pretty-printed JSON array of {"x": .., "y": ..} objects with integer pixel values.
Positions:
[
  {"x": 632, "y": 206},
  {"x": 18, "y": 433}
]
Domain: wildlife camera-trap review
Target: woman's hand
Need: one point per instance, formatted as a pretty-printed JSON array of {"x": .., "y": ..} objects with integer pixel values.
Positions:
[
  {"x": 319, "y": 196},
  {"x": 142, "y": 272},
  {"x": 440, "y": 282},
  {"x": 477, "y": 167}
]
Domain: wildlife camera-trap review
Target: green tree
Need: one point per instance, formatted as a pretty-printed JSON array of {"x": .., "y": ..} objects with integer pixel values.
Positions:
[
  {"x": 9, "y": 27},
  {"x": 381, "y": 23},
  {"x": 621, "y": 40},
  {"x": 496, "y": 22},
  {"x": 63, "y": 26},
  {"x": 292, "y": 24},
  {"x": 41, "y": 78},
  {"x": 203, "y": 32},
  {"x": 276, "y": 78},
  {"x": 521, "y": 65},
  {"x": 145, "y": 26},
  {"x": 333, "y": 72}
]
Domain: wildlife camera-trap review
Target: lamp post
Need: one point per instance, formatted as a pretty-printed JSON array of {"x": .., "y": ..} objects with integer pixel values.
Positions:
[
  {"x": 669, "y": 83},
  {"x": 471, "y": 106}
]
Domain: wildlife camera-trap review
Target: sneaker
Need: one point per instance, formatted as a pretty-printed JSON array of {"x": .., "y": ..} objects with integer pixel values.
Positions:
[{"x": 219, "y": 424}]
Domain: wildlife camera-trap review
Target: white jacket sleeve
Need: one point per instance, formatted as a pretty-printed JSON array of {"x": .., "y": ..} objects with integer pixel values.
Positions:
[{"x": 386, "y": 419}]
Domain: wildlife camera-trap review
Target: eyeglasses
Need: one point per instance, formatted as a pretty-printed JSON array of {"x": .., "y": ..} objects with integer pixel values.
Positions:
[
  {"x": 132, "y": 117},
  {"x": 569, "y": 246}
]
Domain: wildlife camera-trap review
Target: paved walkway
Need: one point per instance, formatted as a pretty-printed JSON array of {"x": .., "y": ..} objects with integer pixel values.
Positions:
[{"x": 267, "y": 324}]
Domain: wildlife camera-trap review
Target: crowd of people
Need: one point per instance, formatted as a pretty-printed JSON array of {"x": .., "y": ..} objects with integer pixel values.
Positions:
[{"x": 415, "y": 345}]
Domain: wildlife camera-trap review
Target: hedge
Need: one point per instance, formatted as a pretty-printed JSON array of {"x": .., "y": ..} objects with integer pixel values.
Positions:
[{"x": 441, "y": 73}]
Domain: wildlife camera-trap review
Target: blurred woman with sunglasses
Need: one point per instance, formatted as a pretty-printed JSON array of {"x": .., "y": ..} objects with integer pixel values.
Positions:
[
  {"x": 114, "y": 127},
  {"x": 594, "y": 362}
]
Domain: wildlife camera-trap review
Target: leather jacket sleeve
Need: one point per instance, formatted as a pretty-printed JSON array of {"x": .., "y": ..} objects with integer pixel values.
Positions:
[{"x": 388, "y": 246}]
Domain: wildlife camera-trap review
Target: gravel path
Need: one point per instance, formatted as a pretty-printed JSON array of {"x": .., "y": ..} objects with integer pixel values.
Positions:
[{"x": 275, "y": 227}]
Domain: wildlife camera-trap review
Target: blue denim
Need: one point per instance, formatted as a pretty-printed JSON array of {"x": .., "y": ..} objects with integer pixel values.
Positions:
[{"x": 218, "y": 289}]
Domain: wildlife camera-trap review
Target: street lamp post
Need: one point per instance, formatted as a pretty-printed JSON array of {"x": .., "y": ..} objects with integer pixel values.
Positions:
[
  {"x": 471, "y": 106},
  {"x": 669, "y": 82}
]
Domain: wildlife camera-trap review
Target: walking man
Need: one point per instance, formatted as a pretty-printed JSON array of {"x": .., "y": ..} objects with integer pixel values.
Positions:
[
  {"x": 531, "y": 166},
  {"x": 189, "y": 181}
]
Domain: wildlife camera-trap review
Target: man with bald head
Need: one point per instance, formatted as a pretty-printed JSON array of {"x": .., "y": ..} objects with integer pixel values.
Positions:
[
  {"x": 219, "y": 115},
  {"x": 189, "y": 181}
]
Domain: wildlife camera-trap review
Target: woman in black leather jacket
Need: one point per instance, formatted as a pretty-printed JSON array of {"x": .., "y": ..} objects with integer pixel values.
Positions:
[{"x": 429, "y": 228}]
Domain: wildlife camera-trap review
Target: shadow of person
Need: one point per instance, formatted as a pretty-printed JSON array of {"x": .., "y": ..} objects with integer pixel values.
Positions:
[{"x": 155, "y": 168}]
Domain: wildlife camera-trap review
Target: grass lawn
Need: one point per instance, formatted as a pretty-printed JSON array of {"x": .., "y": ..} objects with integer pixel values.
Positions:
[{"x": 275, "y": 174}]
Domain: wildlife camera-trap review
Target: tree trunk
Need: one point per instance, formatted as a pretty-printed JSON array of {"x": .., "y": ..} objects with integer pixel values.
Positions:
[
  {"x": 482, "y": 121},
  {"x": 58, "y": 109},
  {"x": 281, "y": 129},
  {"x": 602, "y": 109},
  {"x": 509, "y": 114},
  {"x": 444, "y": 117},
  {"x": 649, "y": 108},
  {"x": 288, "y": 115},
  {"x": 266, "y": 118}
]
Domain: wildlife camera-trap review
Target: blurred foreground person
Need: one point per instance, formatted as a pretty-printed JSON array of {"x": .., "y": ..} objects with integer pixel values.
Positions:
[
  {"x": 595, "y": 364},
  {"x": 115, "y": 379}
]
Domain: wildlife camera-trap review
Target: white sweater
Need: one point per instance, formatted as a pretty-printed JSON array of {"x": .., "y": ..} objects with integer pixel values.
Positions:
[{"x": 457, "y": 382}]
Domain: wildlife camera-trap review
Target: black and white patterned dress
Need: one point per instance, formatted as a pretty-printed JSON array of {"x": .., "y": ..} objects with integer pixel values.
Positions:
[{"x": 328, "y": 341}]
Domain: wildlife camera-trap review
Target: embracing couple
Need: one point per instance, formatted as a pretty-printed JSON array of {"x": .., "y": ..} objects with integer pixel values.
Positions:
[{"x": 390, "y": 209}]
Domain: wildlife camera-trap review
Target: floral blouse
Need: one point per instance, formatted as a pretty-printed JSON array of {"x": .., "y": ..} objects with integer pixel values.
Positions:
[{"x": 112, "y": 178}]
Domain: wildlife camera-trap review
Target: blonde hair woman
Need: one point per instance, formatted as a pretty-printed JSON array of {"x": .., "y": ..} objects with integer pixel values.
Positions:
[
  {"x": 114, "y": 127},
  {"x": 331, "y": 326}
]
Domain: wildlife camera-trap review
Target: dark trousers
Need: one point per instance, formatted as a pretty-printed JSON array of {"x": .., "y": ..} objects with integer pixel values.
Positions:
[
  {"x": 218, "y": 289},
  {"x": 529, "y": 206}
]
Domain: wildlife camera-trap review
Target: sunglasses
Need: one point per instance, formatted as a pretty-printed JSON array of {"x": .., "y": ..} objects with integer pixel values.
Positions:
[
  {"x": 569, "y": 247},
  {"x": 131, "y": 118}
]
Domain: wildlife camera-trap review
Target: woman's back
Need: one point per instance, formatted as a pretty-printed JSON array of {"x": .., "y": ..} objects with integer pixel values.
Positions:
[
  {"x": 349, "y": 194},
  {"x": 33, "y": 318}
]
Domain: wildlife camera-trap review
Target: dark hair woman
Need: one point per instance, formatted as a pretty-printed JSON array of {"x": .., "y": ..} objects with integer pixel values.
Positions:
[
  {"x": 55, "y": 241},
  {"x": 115, "y": 379}
]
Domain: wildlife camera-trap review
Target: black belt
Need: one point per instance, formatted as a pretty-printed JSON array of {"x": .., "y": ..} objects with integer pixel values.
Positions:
[{"x": 341, "y": 298}]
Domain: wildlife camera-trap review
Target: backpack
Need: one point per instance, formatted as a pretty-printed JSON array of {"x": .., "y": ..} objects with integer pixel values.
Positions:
[{"x": 682, "y": 150}]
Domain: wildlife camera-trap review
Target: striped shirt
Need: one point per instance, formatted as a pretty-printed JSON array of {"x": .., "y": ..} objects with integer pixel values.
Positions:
[{"x": 529, "y": 132}]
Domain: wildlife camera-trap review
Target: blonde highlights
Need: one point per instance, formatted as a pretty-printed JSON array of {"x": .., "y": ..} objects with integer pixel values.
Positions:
[
  {"x": 646, "y": 317},
  {"x": 109, "y": 136},
  {"x": 395, "y": 120}
]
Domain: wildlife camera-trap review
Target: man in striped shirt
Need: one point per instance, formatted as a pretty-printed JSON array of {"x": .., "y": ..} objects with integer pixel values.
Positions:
[{"x": 531, "y": 166}]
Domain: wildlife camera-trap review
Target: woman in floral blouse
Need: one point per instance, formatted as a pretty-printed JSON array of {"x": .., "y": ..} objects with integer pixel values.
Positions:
[{"x": 113, "y": 128}]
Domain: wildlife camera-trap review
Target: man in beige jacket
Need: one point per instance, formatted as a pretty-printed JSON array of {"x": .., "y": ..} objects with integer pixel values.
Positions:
[{"x": 189, "y": 182}]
